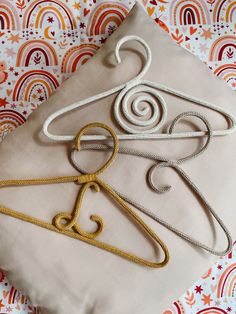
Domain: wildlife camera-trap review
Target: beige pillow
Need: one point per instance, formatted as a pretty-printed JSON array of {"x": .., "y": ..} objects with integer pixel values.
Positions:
[{"x": 62, "y": 275}]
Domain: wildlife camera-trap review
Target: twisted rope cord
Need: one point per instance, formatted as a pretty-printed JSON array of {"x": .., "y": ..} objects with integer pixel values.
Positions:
[
  {"x": 166, "y": 162},
  {"x": 152, "y": 104},
  {"x": 67, "y": 223}
]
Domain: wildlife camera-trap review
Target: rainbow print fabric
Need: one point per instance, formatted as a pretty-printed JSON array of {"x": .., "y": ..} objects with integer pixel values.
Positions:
[
  {"x": 42, "y": 42},
  {"x": 213, "y": 293}
]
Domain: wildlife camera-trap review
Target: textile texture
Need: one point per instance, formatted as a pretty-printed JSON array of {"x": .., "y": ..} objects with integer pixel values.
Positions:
[{"x": 43, "y": 42}]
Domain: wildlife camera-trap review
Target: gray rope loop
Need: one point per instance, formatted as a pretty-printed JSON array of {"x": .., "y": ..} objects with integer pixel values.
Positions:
[
  {"x": 154, "y": 168},
  {"x": 161, "y": 162},
  {"x": 172, "y": 164},
  {"x": 206, "y": 123}
]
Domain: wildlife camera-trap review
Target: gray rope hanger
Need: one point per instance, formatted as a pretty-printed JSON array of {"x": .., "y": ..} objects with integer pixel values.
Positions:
[{"x": 163, "y": 162}]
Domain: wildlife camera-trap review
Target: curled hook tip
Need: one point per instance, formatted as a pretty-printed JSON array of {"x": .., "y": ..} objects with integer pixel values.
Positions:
[
  {"x": 96, "y": 187},
  {"x": 118, "y": 60},
  {"x": 117, "y": 56}
]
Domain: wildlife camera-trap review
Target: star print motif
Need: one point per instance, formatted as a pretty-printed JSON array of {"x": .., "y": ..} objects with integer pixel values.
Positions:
[
  {"x": 203, "y": 48},
  {"x": 50, "y": 19},
  {"x": 10, "y": 52},
  {"x": 219, "y": 267},
  {"x": 206, "y": 299},
  {"x": 14, "y": 38},
  {"x": 77, "y": 6},
  {"x": 206, "y": 33},
  {"x": 198, "y": 289},
  {"x": 3, "y": 103},
  {"x": 111, "y": 29},
  {"x": 82, "y": 25},
  {"x": 162, "y": 8},
  {"x": 102, "y": 40}
]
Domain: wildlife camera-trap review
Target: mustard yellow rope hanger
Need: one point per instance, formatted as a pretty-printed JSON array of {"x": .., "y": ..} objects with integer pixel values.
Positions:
[{"x": 67, "y": 223}]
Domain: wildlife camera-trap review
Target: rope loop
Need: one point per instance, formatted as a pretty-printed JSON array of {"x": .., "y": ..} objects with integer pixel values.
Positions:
[
  {"x": 164, "y": 162},
  {"x": 113, "y": 135},
  {"x": 173, "y": 164}
]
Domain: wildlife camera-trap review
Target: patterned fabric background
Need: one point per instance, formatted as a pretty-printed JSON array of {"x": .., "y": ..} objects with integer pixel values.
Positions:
[
  {"x": 43, "y": 41},
  {"x": 213, "y": 293}
]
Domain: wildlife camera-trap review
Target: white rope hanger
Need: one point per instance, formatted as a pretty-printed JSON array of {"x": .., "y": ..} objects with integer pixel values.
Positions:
[{"x": 152, "y": 103}]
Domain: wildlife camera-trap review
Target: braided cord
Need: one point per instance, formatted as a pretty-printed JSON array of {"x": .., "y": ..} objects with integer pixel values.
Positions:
[
  {"x": 161, "y": 162},
  {"x": 67, "y": 223}
]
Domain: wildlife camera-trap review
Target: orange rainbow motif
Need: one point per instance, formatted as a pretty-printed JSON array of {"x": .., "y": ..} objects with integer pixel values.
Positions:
[
  {"x": 29, "y": 49},
  {"x": 230, "y": 15},
  {"x": 39, "y": 10},
  {"x": 28, "y": 83},
  {"x": 212, "y": 310},
  {"x": 187, "y": 12},
  {"x": 226, "y": 72},
  {"x": 77, "y": 56},
  {"x": 179, "y": 307},
  {"x": 11, "y": 117},
  {"x": 227, "y": 282},
  {"x": 221, "y": 46},
  {"x": 106, "y": 14},
  {"x": 225, "y": 11},
  {"x": 13, "y": 294},
  {"x": 8, "y": 16}
]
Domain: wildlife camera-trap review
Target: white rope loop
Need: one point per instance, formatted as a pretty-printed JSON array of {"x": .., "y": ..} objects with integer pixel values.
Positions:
[{"x": 148, "y": 62}]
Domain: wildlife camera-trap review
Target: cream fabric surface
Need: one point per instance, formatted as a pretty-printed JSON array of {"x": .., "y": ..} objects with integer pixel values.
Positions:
[{"x": 63, "y": 275}]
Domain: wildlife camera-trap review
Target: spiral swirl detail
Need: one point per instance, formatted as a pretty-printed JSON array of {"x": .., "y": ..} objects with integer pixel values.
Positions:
[{"x": 130, "y": 114}]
